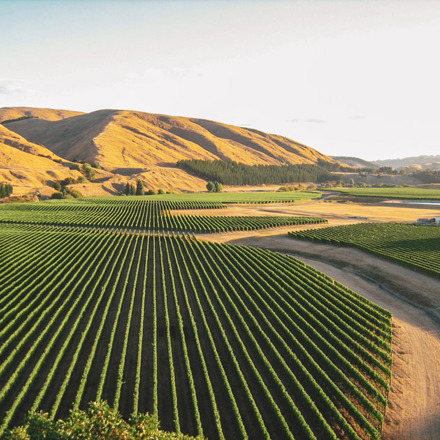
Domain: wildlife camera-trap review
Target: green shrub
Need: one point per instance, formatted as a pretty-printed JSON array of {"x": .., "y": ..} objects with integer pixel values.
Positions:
[
  {"x": 57, "y": 195},
  {"x": 97, "y": 422}
]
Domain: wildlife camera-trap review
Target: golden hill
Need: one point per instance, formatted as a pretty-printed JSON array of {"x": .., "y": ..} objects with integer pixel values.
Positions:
[
  {"x": 120, "y": 140},
  {"x": 130, "y": 144},
  {"x": 11, "y": 113},
  {"x": 29, "y": 167}
]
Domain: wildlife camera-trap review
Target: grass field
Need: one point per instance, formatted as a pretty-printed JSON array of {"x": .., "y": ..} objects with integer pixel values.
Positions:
[
  {"x": 393, "y": 193},
  {"x": 412, "y": 245},
  {"x": 224, "y": 341}
]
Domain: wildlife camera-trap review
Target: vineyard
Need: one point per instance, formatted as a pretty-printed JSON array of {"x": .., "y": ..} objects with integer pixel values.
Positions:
[
  {"x": 415, "y": 246},
  {"x": 140, "y": 213},
  {"x": 393, "y": 193},
  {"x": 240, "y": 197},
  {"x": 219, "y": 340}
]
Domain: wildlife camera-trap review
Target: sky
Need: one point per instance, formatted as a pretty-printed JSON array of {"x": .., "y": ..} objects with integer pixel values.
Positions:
[{"x": 348, "y": 78}]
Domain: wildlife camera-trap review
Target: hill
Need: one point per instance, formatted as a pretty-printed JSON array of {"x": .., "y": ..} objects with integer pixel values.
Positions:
[
  {"x": 29, "y": 167},
  {"x": 131, "y": 145},
  {"x": 354, "y": 162},
  {"x": 125, "y": 140},
  {"x": 48, "y": 114},
  {"x": 415, "y": 162}
]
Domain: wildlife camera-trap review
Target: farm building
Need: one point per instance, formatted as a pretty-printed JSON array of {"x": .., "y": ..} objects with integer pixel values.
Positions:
[{"x": 429, "y": 221}]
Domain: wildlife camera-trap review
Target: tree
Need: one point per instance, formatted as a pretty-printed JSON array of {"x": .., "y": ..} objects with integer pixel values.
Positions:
[
  {"x": 210, "y": 187},
  {"x": 5, "y": 190},
  {"x": 386, "y": 170},
  {"x": 88, "y": 171},
  {"x": 74, "y": 193},
  {"x": 127, "y": 189},
  {"x": 57, "y": 186},
  {"x": 140, "y": 188},
  {"x": 214, "y": 186},
  {"x": 218, "y": 187},
  {"x": 75, "y": 166},
  {"x": 96, "y": 165},
  {"x": 132, "y": 190},
  {"x": 161, "y": 191}
]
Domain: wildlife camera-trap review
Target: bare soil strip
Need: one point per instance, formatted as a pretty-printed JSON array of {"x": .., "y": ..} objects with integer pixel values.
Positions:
[{"x": 413, "y": 298}]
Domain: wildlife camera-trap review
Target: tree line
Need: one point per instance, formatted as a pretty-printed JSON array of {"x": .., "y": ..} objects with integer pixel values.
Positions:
[
  {"x": 139, "y": 190},
  {"x": 236, "y": 173},
  {"x": 428, "y": 176}
]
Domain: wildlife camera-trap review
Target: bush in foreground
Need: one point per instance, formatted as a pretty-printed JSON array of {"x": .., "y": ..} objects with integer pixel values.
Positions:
[{"x": 97, "y": 422}]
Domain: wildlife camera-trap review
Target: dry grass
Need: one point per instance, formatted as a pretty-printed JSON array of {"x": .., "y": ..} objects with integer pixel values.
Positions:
[
  {"x": 135, "y": 140},
  {"x": 135, "y": 145}
]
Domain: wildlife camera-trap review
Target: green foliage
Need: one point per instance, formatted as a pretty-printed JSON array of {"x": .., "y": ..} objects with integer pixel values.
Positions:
[
  {"x": 140, "y": 188},
  {"x": 160, "y": 191},
  {"x": 74, "y": 193},
  {"x": 218, "y": 187},
  {"x": 63, "y": 192},
  {"x": 57, "y": 195},
  {"x": 98, "y": 422},
  {"x": 214, "y": 187},
  {"x": 88, "y": 171},
  {"x": 66, "y": 193},
  {"x": 57, "y": 186},
  {"x": 68, "y": 181},
  {"x": 386, "y": 170},
  {"x": 75, "y": 167},
  {"x": 6, "y": 190},
  {"x": 288, "y": 188},
  {"x": 235, "y": 173},
  {"x": 413, "y": 245},
  {"x": 151, "y": 192}
]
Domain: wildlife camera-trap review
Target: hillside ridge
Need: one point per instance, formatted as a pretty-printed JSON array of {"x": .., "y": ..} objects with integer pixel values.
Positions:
[{"x": 143, "y": 145}]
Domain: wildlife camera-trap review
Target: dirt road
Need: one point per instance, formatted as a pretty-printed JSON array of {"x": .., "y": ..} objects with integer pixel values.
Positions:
[{"x": 414, "y": 300}]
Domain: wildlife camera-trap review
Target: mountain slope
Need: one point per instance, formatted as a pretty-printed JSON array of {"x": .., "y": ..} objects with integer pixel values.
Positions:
[
  {"x": 126, "y": 141},
  {"x": 355, "y": 162},
  {"x": 420, "y": 162},
  {"x": 29, "y": 167},
  {"x": 130, "y": 145},
  {"x": 48, "y": 114}
]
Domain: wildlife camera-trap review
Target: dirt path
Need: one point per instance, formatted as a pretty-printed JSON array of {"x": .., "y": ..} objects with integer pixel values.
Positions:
[{"x": 414, "y": 300}]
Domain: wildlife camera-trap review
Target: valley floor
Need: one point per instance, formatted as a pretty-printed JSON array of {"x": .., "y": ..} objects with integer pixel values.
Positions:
[{"x": 413, "y": 298}]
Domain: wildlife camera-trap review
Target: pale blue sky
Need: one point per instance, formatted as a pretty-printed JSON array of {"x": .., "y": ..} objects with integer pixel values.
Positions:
[{"x": 357, "y": 78}]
